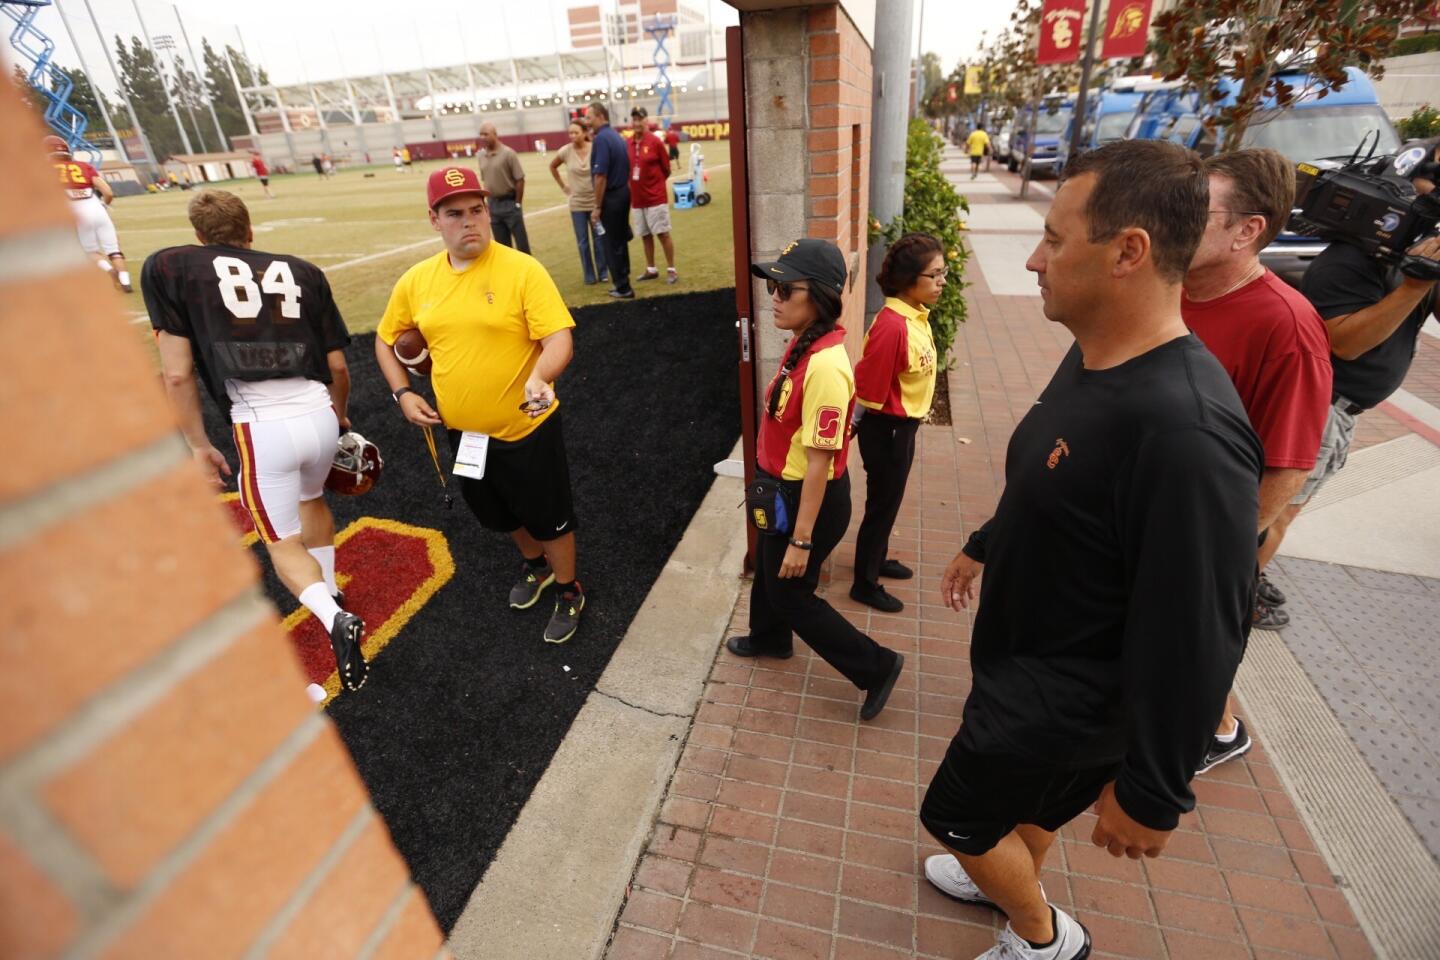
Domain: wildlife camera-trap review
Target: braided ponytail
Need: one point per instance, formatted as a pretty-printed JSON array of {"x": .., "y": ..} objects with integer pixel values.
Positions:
[{"x": 827, "y": 316}]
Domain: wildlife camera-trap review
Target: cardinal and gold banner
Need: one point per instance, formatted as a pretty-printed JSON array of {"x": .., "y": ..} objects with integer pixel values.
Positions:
[
  {"x": 1126, "y": 29},
  {"x": 1062, "y": 26}
]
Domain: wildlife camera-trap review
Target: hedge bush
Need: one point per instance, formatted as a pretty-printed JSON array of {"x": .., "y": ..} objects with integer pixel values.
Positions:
[
  {"x": 1421, "y": 43},
  {"x": 932, "y": 205},
  {"x": 1422, "y": 124}
]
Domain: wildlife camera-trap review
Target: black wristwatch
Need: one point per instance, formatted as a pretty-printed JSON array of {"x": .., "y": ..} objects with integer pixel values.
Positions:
[
  {"x": 401, "y": 392},
  {"x": 802, "y": 544}
]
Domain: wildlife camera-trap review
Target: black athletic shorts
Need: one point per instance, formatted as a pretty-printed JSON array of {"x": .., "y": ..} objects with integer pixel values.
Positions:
[
  {"x": 976, "y": 799},
  {"x": 526, "y": 484}
]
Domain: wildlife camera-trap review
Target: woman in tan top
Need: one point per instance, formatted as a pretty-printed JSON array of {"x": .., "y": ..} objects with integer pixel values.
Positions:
[{"x": 578, "y": 187}]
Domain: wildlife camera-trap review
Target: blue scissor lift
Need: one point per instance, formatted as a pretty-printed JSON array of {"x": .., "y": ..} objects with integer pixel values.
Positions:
[{"x": 36, "y": 51}]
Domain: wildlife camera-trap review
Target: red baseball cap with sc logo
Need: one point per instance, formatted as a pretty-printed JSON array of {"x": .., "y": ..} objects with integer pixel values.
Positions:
[{"x": 448, "y": 181}]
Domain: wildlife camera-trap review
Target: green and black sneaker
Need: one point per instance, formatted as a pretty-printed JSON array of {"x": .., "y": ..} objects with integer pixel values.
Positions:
[
  {"x": 532, "y": 583},
  {"x": 566, "y": 618}
]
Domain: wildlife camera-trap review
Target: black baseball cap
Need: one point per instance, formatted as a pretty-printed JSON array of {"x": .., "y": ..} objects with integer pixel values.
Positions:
[{"x": 817, "y": 260}]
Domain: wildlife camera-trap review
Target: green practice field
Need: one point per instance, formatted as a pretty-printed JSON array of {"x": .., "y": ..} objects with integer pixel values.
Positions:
[{"x": 382, "y": 218}]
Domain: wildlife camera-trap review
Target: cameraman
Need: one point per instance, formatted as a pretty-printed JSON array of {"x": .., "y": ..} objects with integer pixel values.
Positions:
[{"x": 1374, "y": 314}]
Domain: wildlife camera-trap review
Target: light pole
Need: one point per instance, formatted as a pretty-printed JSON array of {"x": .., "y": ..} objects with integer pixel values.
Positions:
[{"x": 164, "y": 41}]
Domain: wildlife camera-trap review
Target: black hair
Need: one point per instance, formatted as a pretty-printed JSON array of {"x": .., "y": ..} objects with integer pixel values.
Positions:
[
  {"x": 904, "y": 261},
  {"x": 827, "y": 315},
  {"x": 601, "y": 109},
  {"x": 639, "y": 112}
]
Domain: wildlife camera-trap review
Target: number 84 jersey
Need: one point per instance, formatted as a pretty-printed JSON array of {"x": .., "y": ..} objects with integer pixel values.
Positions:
[{"x": 250, "y": 317}]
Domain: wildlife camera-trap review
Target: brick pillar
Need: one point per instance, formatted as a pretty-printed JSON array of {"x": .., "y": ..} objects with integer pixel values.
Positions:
[
  {"x": 167, "y": 789},
  {"x": 808, "y": 93}
]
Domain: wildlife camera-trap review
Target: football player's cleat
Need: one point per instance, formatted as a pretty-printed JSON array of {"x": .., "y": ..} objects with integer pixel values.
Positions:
[
  {"x": 345, "y": 638},
  {"x": 357, "y": 466}
]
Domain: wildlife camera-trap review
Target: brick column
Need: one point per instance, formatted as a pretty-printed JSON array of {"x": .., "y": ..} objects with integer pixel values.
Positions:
[
  {"x": 167, "y": 789},
  {"x": 807, "y": 105}
]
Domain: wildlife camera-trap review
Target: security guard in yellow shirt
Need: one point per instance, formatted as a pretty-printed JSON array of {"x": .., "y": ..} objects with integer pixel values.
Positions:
[{"x": 498, "y": 334}]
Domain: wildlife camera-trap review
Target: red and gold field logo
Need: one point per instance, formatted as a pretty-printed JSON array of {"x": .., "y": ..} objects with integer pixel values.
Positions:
[{"x": 388, "y": 570}]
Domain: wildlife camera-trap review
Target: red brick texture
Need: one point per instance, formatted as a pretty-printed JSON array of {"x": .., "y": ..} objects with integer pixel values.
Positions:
[
  {"x": 799, "y": 836},
  {"x": 170, "y": 791}
]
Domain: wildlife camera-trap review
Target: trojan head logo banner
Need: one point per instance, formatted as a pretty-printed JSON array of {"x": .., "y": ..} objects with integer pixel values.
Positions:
[
  {"x": 454, "y": 177},
  {"x": 1060, "y": 30},
  {"x": 1127, "y": 29}
]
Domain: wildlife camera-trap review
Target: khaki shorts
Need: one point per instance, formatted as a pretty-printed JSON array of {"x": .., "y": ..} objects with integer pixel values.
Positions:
[
  {"x": 1334, "y": 450},
  {"x": 651, "y": 220}
]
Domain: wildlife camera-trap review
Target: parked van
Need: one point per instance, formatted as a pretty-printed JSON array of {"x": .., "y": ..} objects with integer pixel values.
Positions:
[
  {"x": 1311, "y": 129},
  {"x": 1108, "y": 112},
  {"x": 1054, "y": 115}
]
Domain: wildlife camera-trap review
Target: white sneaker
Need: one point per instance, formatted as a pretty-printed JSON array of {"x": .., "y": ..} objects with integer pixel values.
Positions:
[
  {"x": 1072, "y": 942},
  {"x": 946, "y": 875}
]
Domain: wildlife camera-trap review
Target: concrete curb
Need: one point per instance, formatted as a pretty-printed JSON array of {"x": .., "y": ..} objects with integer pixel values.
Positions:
[
  {"x": 556, "y": 887},
  {"x": 1384, "y": 868}
]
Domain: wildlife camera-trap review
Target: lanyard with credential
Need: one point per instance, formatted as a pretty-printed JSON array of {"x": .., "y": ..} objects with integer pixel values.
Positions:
[{"x": 439, "y": 472}]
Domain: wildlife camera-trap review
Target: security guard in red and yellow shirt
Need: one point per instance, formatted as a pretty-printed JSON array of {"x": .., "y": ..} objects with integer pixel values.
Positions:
[
  {"x": 802, "y": 444},
  {"x": 894, "y": 384}
]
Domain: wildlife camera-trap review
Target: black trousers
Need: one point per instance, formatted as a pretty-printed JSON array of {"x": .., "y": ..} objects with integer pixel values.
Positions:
[
  {"x": 615, "y": 218},
  {"x": 778, "y": 606},
  {"x": 507, "y": 223},
  {"x": 887, "y": 446}
]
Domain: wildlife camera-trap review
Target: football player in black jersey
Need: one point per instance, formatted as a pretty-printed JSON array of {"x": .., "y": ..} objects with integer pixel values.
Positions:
[{"x": 262, "y": 332}]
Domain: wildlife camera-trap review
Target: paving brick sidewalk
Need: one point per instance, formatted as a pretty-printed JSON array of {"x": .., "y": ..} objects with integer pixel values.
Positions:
[{"x": 790, "y": 828}]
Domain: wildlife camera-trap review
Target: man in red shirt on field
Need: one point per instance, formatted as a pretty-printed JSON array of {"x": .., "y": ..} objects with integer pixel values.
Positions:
[
  {"x": 262, "y": 172},
  {"x": 649, "y": 195},
  {"x": 1273, "y": 345}
]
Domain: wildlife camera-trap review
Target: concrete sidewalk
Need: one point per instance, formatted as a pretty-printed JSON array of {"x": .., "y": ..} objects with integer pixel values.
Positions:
[{"x": 790, "y": 830}]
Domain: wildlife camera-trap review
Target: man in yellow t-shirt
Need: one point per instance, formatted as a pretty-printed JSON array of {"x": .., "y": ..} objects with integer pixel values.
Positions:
[
  {"x": 498, "y": 333},
  {"x": 977, "y": 145}
]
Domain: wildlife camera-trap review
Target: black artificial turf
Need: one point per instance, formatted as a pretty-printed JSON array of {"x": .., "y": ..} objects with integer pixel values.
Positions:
[{"x": 466, "y": 705}]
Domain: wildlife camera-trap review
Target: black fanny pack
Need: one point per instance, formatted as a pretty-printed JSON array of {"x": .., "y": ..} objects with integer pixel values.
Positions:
[{"x": 770, "y": 506}]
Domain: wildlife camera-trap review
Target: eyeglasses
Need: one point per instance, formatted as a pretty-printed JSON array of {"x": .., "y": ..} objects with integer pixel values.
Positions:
[
  {"x": 940, "y": 274},
  {"x": 1241, "y": 213},
  {"x": 783, "y": 287}
]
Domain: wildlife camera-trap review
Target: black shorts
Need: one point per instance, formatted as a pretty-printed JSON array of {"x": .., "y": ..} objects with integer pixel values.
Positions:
[
  {"x": 264, "y": 181},
  {"x": 526, "y": 484},
  {"x": 976, "y": 799}
]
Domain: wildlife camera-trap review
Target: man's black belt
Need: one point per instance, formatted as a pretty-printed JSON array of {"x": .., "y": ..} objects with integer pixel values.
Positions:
[{"x": 502, "y": 196}]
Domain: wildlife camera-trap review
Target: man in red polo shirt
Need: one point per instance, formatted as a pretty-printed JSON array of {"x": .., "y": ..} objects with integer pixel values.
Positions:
[
  {"x": 1273, "y": 345},
  {"x": 649, "y": 196}
]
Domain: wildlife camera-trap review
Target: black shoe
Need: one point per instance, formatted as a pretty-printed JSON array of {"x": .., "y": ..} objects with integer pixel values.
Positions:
[
  {"x": 591, "y": 283},
  {"x": 745, "y": 646},
  {"x": 1270, "y": 593},
  {"x": 622, "y": 295},
  {"x": 339, "y": 598},
  {"x": 533, "y": 581},
  {"x": 345, "y": 637},
  {"x": 1220, "y": 752},
  {"x": 875, "y": 699},
  {"x": 876, "y": 597},
  {"x": 566, "y": 618},
  {"x": 1267, "y": 617},
  {"x": 895, "y": 570},
  {"x": 647, "y": 275}
]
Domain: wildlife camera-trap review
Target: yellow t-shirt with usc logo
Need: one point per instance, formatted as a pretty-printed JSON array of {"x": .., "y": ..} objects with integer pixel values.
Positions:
[
  {"x": 816, "y": 401},
  {"x": 484, "y": 325}
]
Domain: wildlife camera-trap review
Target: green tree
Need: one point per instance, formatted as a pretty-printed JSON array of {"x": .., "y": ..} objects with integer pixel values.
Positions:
[
  {"x": 221, "y": 89},
  {"x": 1420, "y": 125},
  {"x": 87, "y": 98},
  {"x": 142, "y": 81},
  {"x": 189, "y": 96},
  {"x": 1249, "y": 41}
]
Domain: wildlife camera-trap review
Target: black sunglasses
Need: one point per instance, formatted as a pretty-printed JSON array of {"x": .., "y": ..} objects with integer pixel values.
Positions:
[{"x": 786, "y": 288}]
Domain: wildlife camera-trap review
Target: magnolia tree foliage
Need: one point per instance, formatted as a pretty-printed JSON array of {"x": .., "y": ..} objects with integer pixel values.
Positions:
[{"x": 1250, "y": 41}]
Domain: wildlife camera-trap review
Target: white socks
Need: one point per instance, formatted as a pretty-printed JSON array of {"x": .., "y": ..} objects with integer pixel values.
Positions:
[
  {"x": 125, "y": 277},
  {"x": 1229, "y": 737},
  {"x": 325, "y": 556},
  {"x": 317, "y": 600}
]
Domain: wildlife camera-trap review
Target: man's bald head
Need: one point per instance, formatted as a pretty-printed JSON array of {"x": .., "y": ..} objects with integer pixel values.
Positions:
[{"x": 489, "y": 135}]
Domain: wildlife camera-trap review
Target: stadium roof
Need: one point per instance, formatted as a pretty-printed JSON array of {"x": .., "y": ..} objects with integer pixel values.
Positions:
[{"x": 521, "y": 80}]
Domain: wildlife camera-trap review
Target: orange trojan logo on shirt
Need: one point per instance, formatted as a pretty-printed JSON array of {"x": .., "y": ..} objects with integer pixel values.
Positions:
[{"x": 1062, "y": 449}]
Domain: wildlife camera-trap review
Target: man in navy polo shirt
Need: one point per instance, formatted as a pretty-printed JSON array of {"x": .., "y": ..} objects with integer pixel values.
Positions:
[{"x": 610, "y": 166}]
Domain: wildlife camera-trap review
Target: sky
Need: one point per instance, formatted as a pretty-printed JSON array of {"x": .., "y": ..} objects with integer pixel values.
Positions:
[{"x": 298, "y": 40}]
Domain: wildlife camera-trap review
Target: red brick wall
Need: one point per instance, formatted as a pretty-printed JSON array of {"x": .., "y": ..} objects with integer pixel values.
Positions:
[{"x": 167, "y": 789}]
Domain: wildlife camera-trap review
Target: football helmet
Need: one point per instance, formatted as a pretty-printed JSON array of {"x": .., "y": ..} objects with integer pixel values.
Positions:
[
  {"x": 56, "y": 146},
  {"x": 357, "y": 465}
]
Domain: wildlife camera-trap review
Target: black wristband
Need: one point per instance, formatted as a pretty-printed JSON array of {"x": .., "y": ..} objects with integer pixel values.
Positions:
[
  {"x": 396, "y": 395},
  {"x": 802, "y": 544}
]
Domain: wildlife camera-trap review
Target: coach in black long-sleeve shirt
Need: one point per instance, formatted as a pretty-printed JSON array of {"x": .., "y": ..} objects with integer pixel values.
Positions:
[{"x": 1119, "y": 564}]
